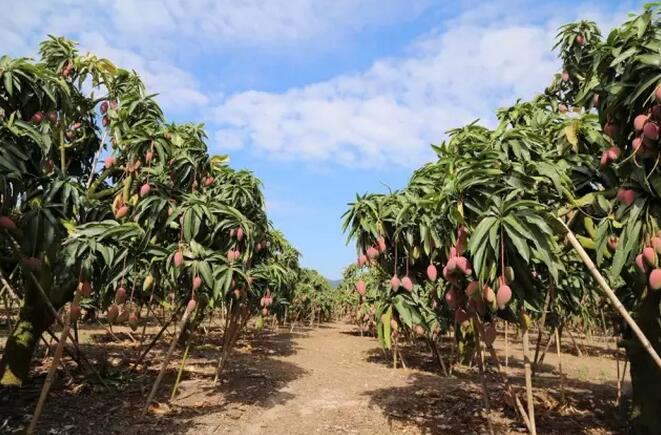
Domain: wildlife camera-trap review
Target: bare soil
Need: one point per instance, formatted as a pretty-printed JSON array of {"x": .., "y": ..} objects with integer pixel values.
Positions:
[{"x": 326, "y": 379}]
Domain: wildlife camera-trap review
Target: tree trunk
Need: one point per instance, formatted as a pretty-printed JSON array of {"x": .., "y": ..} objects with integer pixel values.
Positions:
[
  {"x": 645, "y": 374},
  {"x": 643, "y": 351},
  {"x": 434, "y": 349},
  {"x": 465, "y": 339},
  {"x": 483, "y": 379},
  {"x": 34, "y": 317},
  {"x": 239, "y": 316}
]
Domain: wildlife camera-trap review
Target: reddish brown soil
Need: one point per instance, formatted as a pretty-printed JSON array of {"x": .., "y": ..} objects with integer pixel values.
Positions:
[{"x": 321, "y": 380}]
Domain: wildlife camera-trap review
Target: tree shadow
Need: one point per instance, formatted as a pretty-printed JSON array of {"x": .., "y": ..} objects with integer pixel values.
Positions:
[
  {"x": 454, "y": 405},
  {"x": 418, "y": 356},
  {"x": 592, "y": 349},
  {"x": 254, "y": 377},
  {"x": 270, "y": 342},
  {"x": 414, "y": 359},
  {"x": 435, "y": 405},
  {"x": 356, "y": 333}
]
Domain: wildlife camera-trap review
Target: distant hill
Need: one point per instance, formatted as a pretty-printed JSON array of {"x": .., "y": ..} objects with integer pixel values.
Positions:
[{"x": 334, "y": 282}]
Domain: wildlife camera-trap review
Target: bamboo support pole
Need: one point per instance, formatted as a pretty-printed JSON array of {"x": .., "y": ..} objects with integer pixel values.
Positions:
[
  {"x": 50, "y": 377},
  {"x": 483, "y": 379},
  {"x": 166, "y": 361},
  {"x": 611, "y": 296},
  {"x": 528, "y": 374},
  {"x": 562, "y": 376},
  {"x": 542, "y": 324}
]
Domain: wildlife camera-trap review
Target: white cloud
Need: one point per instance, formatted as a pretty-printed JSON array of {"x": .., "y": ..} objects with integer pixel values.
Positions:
[
  {"x": 257, "y": 21},
  {"x": 160, "y": 38},
  {"x": 387, "y": 114},
  {"x": 227, "y": 140},
  {"x": 178, "y": 90},
  {"x": 390, "y": 113},
  {"x": 285, "y": 207},
  {"x": 151, "y": 27}
]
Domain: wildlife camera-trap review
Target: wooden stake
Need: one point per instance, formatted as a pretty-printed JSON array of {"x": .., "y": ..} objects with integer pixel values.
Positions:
[
  {"x": 237, "y": 320},
  {"x": 611, "y": 295},
  {"x": 394, "y": 355},
  {"x": 507, "y": 350},
  {"x": 401, "y": 358},
  {"x": 620, "y": 380},
  {"x": 166, "y": 361},
  {"x": 155, "y": 339},
  {"x": 546, "y": 348},
  {"x": 437, "y": 353},
  {"x": 585, "y": 340},
  {"x": 542, "y": 323},
  {"x": 54, "y": 338},
  {"x": 483, "y": 379},
  {"x": 52, "y": 369},
  {"x": 603, "y": 325},
  {"x": 528, "y": 372},
  {"x": 181, "y": 370},
  {"x": 619, "y": 386},
  {"x": 573, "y": 340},
  {"x": 519, "y": 405},
  {"x": 562, "y": 376}
]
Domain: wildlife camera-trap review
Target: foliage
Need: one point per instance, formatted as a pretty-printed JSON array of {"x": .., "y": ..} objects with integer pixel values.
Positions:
[
  {"x": 489, "y": 208},
  {"x": 160, "y": 220}
]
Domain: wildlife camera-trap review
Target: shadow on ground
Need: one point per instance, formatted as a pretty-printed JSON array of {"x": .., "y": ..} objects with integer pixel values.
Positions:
[
  {"x": 437, "y": 404},
  {"x": 79, "y": 403}
]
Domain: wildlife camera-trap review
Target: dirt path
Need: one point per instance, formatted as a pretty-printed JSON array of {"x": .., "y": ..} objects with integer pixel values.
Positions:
[
  {"x": 325, "y": 380},
  {"x": 332, "y": 394},
  {"x": 330, "y": 380}
]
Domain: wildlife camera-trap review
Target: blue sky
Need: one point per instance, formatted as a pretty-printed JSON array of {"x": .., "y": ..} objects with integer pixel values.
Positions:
[{"x": 322, "y": 99}]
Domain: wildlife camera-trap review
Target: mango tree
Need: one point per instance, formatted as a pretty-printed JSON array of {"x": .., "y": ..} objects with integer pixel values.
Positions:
[
  {"x": 160, "y": 220},
  {"x": 618, "y": 76},
  {"x": 49, "y": 137}
]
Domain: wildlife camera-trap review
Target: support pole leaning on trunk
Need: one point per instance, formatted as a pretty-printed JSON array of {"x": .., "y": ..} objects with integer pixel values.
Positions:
[
  {"x": 483, "y": 380},
  {"x": 611, "y": 295},
  {"x": 528, "y": 373},
  {"x": 52, "y": 369},
  {"x": 60, "y": 322},
  {"x": 562, "y": 375},
  {"x": 507, "y": 351},
  {"x": 166, "y": 361},
  {"x": 155, "y": 339},
  {"x": 542, "y": 324}
]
